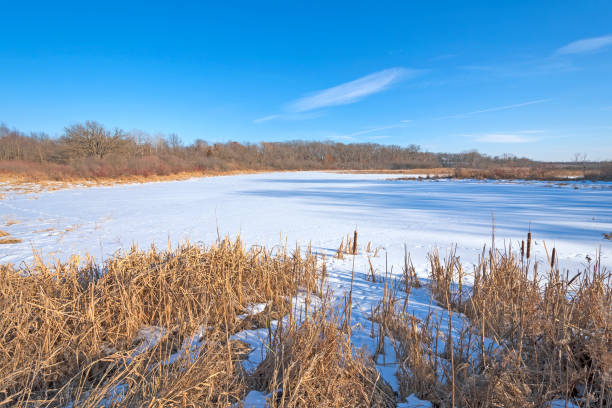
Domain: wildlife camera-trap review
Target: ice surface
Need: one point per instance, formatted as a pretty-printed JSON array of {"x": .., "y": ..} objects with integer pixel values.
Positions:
[{"x": 312, "y": 206}]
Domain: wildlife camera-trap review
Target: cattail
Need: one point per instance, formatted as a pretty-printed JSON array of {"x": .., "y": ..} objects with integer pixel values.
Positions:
[
  {"x": 355, "y": 243},
  {"x": 552, "y": 258},
  {"x": 522, "y": 249},
  {"x": 528, "y": 245}
]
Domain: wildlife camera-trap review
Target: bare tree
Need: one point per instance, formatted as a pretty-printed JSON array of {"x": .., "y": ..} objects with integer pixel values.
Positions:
[
  {"x": 175, "y": 142},
  {"x": 580, "y": 157},
  {"x": 93, "y": 140}
]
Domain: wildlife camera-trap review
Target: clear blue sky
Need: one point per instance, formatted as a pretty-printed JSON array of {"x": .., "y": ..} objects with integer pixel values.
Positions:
[{"x": 523, "y": 77}]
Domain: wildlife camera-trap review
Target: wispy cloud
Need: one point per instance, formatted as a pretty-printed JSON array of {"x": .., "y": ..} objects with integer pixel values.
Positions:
[
  {"x": 497, "y": 108},
  {"x": 343, "y": 94},
  {"x": 524, "y": 68},
  {"x": 353, "y": 136},
  {"x": 287, "y": 116},
  {"x": 266, "y": 118},
  {"x": 543, "y": 64},
  {"x": 504, "y": 138},
  {"x": 351, "y": 92},
  {"x": 521, "y": 136},
  {"x": 585, "y": 45}
]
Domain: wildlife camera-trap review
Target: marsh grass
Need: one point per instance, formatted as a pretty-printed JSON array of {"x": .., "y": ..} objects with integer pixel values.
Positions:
[
  {"x": 314, "y": 364},
  {"x": 4, "y": 241},
  {"x": 73, "y": 331},
  {"x": 154, "y": 328},
  {"x": 514, "y": 337}
]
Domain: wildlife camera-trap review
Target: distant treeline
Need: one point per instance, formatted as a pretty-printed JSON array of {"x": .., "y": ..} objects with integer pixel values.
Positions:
[{"x": 89, "y": 150}]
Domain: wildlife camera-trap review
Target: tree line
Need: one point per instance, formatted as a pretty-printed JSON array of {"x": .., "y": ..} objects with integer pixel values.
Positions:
[{"x": 90, "y": 150}]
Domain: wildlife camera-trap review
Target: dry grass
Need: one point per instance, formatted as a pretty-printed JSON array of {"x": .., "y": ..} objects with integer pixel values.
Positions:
[
  {"x": 4, "y": 234},
  {"x": 75, "y": 333},
  {"x": 36, "y": 183},
  {"x": 512, "y": 173},
  {"x": 435, "y": 171},
  {"x": 525, "y": 337},
  {"x": 153, "y": 328},
  {"x": 314, "y": 364},
  {"x": 4, "y": 241},
  {"x": 348, "y": 246}
]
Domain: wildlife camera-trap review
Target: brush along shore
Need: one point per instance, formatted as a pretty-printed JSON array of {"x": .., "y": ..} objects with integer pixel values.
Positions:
[{"x": 167, "y": 328}]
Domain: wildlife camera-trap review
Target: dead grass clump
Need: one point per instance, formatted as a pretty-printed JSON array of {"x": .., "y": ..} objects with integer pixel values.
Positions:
[
  {"x": 348, "y": 247},
  {"x": 78, "y": 331},
  {"x": 4, "y": 234},
  {"x": 314, "y": 364},
  {"x": 513, "y": 173},
  {"x": 414, "y": 345},
  {"x": 10, "y": 241},
  {"x": 523, "y": 337},
  {"x": 532, "y": 337},
  {"x": 210, "y": 376}
]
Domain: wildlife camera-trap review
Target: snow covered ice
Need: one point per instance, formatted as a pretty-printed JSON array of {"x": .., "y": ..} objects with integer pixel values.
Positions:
[{"x": 320, "y": 207}]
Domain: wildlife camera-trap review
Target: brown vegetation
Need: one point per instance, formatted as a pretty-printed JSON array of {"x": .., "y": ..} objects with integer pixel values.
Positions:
[
  {"x": 69, "y": 331},
  {"x": 122, "y": 334},
  {"x": 4, "y": 240},
  {"x": 154, "y": 328},
  {"x": 314, "y": 364},
  {"x": 526, "y": 173},
  {"x": 89, "y": 151},
  {"x": 9, "y": 241},
  {"x": 525, "y": 337}
]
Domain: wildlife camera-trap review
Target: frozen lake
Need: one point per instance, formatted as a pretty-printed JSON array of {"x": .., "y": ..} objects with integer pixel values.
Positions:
[{"x": 312, "y": 206}]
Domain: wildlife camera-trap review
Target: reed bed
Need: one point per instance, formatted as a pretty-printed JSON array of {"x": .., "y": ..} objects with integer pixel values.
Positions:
[
  {"x": 155, "y": 328},
  {"x": 515, "y": 336},
  {"x": 78, "y": 331},
  {"x": 314, "y": 364}
]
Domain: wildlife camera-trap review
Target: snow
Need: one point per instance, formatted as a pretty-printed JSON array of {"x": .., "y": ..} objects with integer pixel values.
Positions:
[
  {"x": 320, "y": 208},
  {"x": 258, "y": 340},
  {"x": 255, "y": 399},
  {"x": 312, "y": 206},
  {"x": 414, "y": 402},
  {"x": 561, "y": 404}
]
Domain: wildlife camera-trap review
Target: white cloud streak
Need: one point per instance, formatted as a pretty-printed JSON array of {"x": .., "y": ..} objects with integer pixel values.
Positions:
[
  {"x": 508, "y": 137},
  {"x": 504, "y": 138},
  {"x": 287, "y": 116},
  {"x": 585, "y": 45},
  {"x": 497, "y": 108},
  {"x": 266, "y": 118},
  {"x": 353, "y": 136},
  {"x": 351, "y": 92}
]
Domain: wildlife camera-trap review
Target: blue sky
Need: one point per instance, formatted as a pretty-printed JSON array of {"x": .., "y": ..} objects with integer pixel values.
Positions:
[{"x": 522, "y": 77}]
